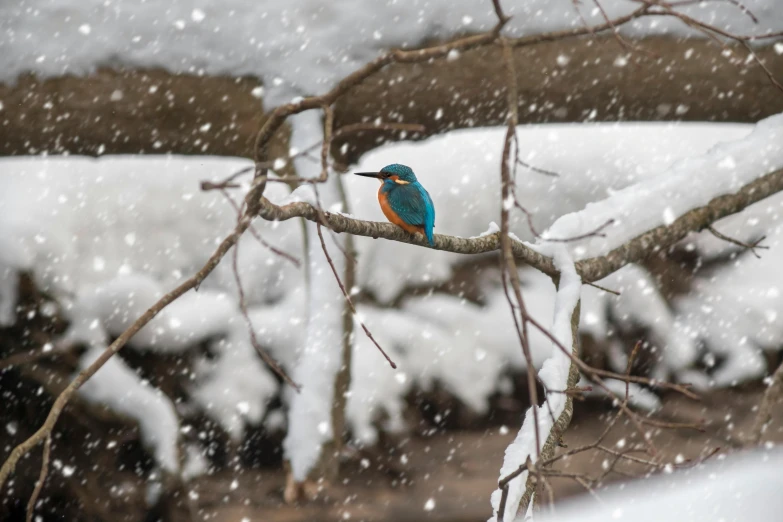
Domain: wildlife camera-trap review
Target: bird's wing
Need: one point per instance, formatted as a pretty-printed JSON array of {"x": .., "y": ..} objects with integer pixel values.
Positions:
[
  {"x": 409, "y": 203},
  {"x": 429, "y": 215}
]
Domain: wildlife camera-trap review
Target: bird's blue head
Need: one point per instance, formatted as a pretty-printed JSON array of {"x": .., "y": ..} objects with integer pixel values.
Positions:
[
  {"x": 394, "y": 173},
  {"x": 403, "y": 172}
]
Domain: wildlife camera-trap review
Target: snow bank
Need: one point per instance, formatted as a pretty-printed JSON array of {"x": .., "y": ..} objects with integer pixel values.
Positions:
[
  {"x": 121, "y": 389},
  {"x": 737, "y": 488},
  {"x": 301, "y": 48},
  {"x": 104, "y": 310},
  {"x": 235, "y": 387},
  {"x": 639, "y": 306}
]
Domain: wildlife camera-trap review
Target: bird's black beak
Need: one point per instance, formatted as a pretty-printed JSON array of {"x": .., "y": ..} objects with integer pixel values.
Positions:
[{"x": 376, "y": 175}]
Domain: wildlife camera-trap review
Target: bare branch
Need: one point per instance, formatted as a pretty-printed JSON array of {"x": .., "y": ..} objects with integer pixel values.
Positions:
[
  {"x": 711, "y": 32},
  {"x": 502, "y": 18},
  {"x": 579, "y": 31},
  {"x": 243, "y": 303},
  {"x": 665, "y": 236}
]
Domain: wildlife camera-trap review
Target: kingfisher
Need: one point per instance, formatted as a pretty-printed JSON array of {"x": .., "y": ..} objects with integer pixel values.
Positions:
[{"x": 404, "y": 201}]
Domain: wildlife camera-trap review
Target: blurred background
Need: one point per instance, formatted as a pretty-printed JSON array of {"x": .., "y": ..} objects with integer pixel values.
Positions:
[{"x": 113, "y": 114}]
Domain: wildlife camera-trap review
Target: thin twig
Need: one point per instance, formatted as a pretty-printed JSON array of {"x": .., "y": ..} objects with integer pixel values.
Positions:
[
  {"x": 604, "y": 289},
  {"x": 227, "y": 182},
  {"x": 353, "y": 128},
  {"x": 539, "y": 170},
  {"x": 748, "y": 246},
  {"x": 597, "y": 232},
  {"x": 251, "y": 330},
  {"x": 712, "y": 32},
  {"x": 348, "y": 297}
]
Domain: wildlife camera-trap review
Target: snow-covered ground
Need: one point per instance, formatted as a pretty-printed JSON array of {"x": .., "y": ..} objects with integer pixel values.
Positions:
[
  {"x": 738, "y": 488},
  {"x": 106, "y": 237},
  {"x": 293, "y": 47}
]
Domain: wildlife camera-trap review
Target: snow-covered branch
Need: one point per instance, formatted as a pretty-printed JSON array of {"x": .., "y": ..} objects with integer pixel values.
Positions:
[{"x": 558, "y": 375}]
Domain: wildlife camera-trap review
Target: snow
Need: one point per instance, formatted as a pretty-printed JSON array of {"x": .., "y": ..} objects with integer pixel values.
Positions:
[
  {"x": 120, "y": 388},
  {"x": 116, "y": 304},
  {"x": 554, "y": 377},
  {"x": 296, "y": 49},
  {"x": 320, "y": 354},
  {"x": 737, "y": 488},
  {"x": 554, "y": 372},
  {"x": 377, "y": 392},
  {"x": 736, "y": 311},
  {"x": 492, "y": 229},
  {"x": 690, "y": 183},
  {"x": 84, "y": 229},
  {"x": 77, "y": 221},
  {"x": 735, "y": 308},
  {"x": 638, "y": 397},
  {"x": 195, "y": 462},
  {"x": 639, "y": 305},
  {"x": 235, "y": 387}
]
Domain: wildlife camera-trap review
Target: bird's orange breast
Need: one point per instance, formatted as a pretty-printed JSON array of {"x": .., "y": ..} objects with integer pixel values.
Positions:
[{"x": 392, "y": 216}]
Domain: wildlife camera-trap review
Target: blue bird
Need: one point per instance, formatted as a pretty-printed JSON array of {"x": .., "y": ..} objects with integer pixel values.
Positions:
[{"x": 404, "y": 201}]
